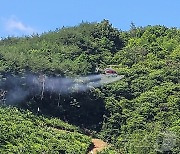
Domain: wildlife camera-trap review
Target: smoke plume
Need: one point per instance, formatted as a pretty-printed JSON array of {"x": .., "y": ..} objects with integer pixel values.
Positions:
[{"x": 14, "y": 89}]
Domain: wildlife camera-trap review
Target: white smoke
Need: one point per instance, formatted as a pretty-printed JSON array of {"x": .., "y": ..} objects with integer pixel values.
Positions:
[{"x": 19, "y": 88}]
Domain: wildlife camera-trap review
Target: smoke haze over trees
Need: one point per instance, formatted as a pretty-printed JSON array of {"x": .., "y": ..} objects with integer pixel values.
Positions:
[{"x": 138, "y": 114}]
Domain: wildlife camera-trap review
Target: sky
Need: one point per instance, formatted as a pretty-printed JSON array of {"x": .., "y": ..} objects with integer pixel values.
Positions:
[{"x": 27, "y": 17}]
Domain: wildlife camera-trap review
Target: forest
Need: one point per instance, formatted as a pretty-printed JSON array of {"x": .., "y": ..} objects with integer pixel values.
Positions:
[{"x": 139, "y": 114}]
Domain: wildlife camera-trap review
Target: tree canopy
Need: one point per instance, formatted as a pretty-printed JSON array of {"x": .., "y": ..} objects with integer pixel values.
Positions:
[{"x": 138, "y": 114}]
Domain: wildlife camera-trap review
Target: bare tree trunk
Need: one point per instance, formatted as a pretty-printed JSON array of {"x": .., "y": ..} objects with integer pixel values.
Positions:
[{"x": 42, "y": 80}]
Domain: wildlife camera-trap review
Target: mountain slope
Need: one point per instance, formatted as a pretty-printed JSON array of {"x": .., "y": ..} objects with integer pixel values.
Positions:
[
  {"x": 23, "y": 132},
  {"x": 138, "y": 114}
]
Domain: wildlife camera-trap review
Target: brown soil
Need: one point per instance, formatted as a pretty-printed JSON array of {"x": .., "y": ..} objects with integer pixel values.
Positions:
[{"x": 99, "y": 145}]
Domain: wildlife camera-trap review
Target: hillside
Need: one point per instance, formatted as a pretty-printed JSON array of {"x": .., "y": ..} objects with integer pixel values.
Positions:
[
  {"x": 23, "y": 132},
  {"x": 137, "y": 114}
]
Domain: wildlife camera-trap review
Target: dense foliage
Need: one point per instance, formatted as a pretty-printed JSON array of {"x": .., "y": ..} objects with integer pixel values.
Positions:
[
  {"x": 138, "y": 114},
  {"x": 23, "y": 132}
]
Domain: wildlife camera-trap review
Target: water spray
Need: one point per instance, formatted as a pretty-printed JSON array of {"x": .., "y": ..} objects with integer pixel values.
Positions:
[{"x": 18, "y": 88}]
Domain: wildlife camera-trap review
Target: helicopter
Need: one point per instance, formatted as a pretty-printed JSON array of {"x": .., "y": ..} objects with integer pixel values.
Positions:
[
  {"x": 109, "y": 74},
  {"x": 100, "y": 77},
  {"x": 108, "y": 71}
]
